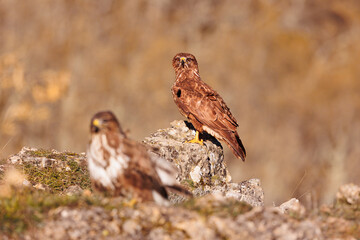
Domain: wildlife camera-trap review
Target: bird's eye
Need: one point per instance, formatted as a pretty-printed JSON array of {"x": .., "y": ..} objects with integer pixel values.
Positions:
[{"x": 189, "y": 59}]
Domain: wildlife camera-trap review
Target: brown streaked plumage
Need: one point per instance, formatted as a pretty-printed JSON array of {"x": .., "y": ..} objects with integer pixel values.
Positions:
[
  {"x": 120, "y": 166},
  {"x": 202, "y": 105}
]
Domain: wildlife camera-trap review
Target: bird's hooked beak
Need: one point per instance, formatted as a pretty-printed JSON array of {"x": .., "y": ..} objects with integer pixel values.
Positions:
[
  {"x": 96, "y": 124},
  {"x": 183, "y": 61}
]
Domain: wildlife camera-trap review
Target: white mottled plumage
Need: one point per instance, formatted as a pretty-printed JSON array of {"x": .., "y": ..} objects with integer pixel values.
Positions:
[
  {"x": 160, "y": 199},
  {"x": 98, "y": 169},
  {"x": 122, "y": 167},
  {"x": 164, "y": 169}
]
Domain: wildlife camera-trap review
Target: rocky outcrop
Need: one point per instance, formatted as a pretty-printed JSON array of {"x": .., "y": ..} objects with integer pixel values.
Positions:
[
  {"x": 349, "y": 193},
  {"x": 202, "y": 167},
  {"x": 41, "y": 158},
  {"x": 206, "y": 219},
  {"x": 51, "y": 170},
  {"x": 49, "y": 193},
  {"x": 200, "y": 164}
]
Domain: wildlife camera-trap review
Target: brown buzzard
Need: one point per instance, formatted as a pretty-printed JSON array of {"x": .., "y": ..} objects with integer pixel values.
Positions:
[
  {"x": 203, "y": 106},
  {"x": 120, "y": 166}
]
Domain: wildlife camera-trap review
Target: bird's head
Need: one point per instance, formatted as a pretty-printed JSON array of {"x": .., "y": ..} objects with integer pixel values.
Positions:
[
  {"x": 103, "y": 122},
  {"x": 184, "y": 61}
]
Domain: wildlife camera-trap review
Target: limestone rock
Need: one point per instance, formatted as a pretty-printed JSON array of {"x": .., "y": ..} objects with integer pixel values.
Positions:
[
  {"x": 216, "y": 212},
  {"x": 149, "y": 221},
  {"x": 293, "y": 206},
  {"x": 349, "y": 193},
  {"x": 45, "y": 158},
  {"x": 73, "y": 190},
  {"x": 51, "y": 170},
  {"x": 248, "y": 191},
  {"x": 201, "y": 166}
]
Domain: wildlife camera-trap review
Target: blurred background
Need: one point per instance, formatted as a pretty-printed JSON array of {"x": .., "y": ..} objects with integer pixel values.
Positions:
[{"x": 288, "y": 70}]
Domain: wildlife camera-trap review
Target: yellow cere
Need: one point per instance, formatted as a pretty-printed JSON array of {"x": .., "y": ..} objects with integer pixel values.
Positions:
[{"x": 96, "y": 122}]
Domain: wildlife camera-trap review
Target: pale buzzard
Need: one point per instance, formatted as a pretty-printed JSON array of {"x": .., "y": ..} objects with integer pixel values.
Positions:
[{"x": 120, "y": 166}]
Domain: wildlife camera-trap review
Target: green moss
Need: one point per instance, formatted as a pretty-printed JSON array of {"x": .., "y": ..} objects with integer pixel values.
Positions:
[
  {"x": 215, "y": 178},
  {"x": 190, "y": 183},
  {"x": 58, "y": 178},
  {"x": 54, "y": 155},
  {"x": 40, "y": 153},
  {"x": 229, "y": 208},
  {"x": 2, "y": 163}
]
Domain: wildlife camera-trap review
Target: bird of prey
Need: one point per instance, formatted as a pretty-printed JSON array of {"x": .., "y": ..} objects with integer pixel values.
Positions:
[
  {"x": 203, "y": 106},
  {"x": 119, "y": 166}
]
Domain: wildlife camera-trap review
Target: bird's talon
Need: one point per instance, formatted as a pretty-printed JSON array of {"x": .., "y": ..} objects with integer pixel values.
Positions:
[
  {"x": 196, "y": 139},
  {"x": 131, "y": 203},
  {"x": 201, "y": 142}
]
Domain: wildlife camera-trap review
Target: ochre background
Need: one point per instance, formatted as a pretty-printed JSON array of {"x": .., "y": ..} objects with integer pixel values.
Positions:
[{"x": 288, "y": 70}]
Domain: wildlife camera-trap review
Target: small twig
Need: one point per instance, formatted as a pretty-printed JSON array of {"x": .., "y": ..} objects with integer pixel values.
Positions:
[
  {"x": 297, "y": 186},
  {"x": 6, "y": 144},
  {"x": 302, "y": 195}
]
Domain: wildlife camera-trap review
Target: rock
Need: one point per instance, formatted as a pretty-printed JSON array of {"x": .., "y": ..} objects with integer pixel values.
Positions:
[
  {"x": 293, "y": 207},
  {"x": 248, "y": 191},
  {"x": 45, "y": 158},
  {"x": 2, "y": 168},
  {"x": 201, "y": 166},
  {"x": 349, "y": 193},
  {"x": 217, "y": 211},
  {"x": 51, "y": 170},
  {"x": 26, "y": 183},
  {"x": 208, "y": 219},
  {"x": 131, "y": 227},
  {"x": 73, "y": 190},
  {"x": 268, "y": 223},
  {"x": 41, "y": 186}
]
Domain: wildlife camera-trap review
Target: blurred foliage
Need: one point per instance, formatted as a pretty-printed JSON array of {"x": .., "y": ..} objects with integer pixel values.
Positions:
[
  {"x": 341, "y": 220},
  {"x": 287, "y": 69},
  {"x": 208, "y": 206},
  {"x": 26, "y": 208}
]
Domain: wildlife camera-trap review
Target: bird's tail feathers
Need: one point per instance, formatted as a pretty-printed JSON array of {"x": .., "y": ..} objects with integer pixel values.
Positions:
[
  {"x": 178, "y": 189},
  {"x": 233, "y": 140}
]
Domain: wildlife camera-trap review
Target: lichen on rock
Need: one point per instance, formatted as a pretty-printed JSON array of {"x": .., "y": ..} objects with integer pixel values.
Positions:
[
  {"x": 202, "y": 164},
  {"x": 52, "y": 170},
  {"x": 202, "y": 167}
]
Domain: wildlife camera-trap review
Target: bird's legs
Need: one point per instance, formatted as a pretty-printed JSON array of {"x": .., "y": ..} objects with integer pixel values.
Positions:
[{"x": 196, "y": 139}]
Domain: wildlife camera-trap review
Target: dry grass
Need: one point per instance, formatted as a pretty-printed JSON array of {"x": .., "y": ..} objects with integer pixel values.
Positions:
[{"x": 288, "y": 70}]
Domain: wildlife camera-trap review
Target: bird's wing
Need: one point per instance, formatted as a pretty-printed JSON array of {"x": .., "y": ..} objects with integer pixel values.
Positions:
[
  {"x": 141, "y": 170},
  {"x": 205, "y": 104},
  {"x": 196, "y": 99},
  {"x": 166, "y": 170}
]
